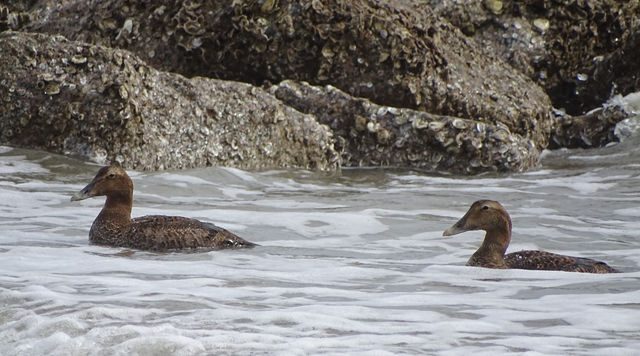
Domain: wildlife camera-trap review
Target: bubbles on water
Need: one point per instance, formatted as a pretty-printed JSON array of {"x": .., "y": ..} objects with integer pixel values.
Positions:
[
  {"x": 349, "y": 264},
  {"x": 627, "y": 128},
  {"x": 630, "y": 103}
]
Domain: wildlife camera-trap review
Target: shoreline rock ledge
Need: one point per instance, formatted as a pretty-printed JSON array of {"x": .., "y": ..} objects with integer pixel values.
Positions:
[
  {"x": 104, "y": 103},
  {"x": 394, "y": 53},
  {"x": 171, "y": 85},
  {"x": 369, "y": 135}
]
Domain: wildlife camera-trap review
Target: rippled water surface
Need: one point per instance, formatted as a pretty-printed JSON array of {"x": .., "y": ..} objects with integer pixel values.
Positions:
[{"x": 348, "y": 264}]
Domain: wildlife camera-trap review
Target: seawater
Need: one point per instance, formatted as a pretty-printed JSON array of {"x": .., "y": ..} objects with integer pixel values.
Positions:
[{"x": 349, "y": 264}]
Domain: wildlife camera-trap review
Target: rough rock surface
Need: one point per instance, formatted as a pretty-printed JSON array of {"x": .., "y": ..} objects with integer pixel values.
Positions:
[
  {"x": 398, "y": 53},
  {"x": 574, "y": 49},
  {"x": 615, "y": 72},
  {"x": 16, "y": 15},
  {"x": 374, "y": 135},
  {"x": 593, "y": 129},
  {"x": 387, "y": 51},
  {"x": 75, "y": 98}
]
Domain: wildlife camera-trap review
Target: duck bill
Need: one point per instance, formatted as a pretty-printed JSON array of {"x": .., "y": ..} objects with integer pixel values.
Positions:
[
  {"x": 83, "y": 194},
  {"x": 453, "y": 230},
  {"x": 458, "y": 227}
]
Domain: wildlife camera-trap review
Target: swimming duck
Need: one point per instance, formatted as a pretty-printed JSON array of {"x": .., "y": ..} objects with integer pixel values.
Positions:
[
  {"x": 490, "y": 216},
  {"x": 114, "y": 226}
]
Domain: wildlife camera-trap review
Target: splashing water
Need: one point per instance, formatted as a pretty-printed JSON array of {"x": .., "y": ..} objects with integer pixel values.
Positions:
[{"x": 349, "y": 264}]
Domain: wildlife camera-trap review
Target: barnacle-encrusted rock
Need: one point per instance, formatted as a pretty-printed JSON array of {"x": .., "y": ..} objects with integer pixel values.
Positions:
[
  {"x": 396, "y": 53},
  {"x": 578, "y": 50},
  {"x": 393, "y": 52},
  {"x": 617, "y": 71},
  {"x": 18, "y": 6},
  {"x": 13, "y": 17},
  {"x": 594, "y": 129},
  {"x": 374, "y": 135},
  {"x": 87, "y": 100}
]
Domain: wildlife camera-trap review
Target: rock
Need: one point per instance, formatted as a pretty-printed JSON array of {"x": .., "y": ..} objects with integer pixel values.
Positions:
[
  {"x": 614, "y": 72},
  {"x": 372, "y": 135},
  {"x": 395, "y": 53},
  {"x": 18, "y": 6},
  {"x": 580, "y": 32},
  {"x": 516, "y": 39},
  {"x": 79, "y": 99},
  {"x": 579, "y": 51},
  {"x": 14, "y": 15},
  {"x": 594, "y": 129}
]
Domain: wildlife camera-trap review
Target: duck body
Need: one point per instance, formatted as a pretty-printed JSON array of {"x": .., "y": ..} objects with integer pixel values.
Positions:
[
  {"x": 542, "y": 260},
  {"x": 491, "y": 216},
  {"x": 115, "y": 227}
]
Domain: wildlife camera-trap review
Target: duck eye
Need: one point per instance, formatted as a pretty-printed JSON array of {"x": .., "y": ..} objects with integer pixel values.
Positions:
[
  {"x": 486, "y": 207},
  {"x": 111, "y": 176}
]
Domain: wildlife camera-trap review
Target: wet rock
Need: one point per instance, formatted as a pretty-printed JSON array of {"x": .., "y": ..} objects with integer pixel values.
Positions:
[
  {"x": 368, "y": 134},
  {"x": 80, "y": 99},
  {"x": 514, "y": 37},
  {"x": 579, "y": 33},
  {"x": 614, "y": 72},
  {"x": 579, "y": 51},
  {"x": 14, "y": 15},
  {"x": 396, "y": 53},
  {"x": 18, "y": 6},
  {"x": 596, "y": 128}
]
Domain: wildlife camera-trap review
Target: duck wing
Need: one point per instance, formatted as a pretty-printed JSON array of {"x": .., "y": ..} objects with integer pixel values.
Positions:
[
  {"x": 161, "y": 233},
  {"x": 541, "y": 260}
]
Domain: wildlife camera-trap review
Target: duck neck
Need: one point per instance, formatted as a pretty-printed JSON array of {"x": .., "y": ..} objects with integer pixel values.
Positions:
[
  {"x": 117, "y": 208},
  {"x": 496, "y": 241}
]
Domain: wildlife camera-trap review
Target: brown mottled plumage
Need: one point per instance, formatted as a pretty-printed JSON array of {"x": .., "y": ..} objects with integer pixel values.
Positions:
[
  {"x": 114, "y": 226},
  {"x": 491, "y": 217}
]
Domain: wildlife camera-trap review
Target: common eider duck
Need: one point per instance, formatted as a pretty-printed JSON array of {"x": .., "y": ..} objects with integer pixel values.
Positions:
[
  {"x": 114, "y": 226},
  {"x": 490, "y": 216}
]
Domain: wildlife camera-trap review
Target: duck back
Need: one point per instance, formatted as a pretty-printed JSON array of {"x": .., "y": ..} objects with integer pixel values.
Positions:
[
  {"x": 162, "y": 233},
  {"x": 541, "y": 260}
]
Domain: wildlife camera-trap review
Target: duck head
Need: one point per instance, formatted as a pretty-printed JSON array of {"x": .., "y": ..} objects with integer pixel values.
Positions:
[
  {"x": 111, "y": 181},
  {"x": 487, "y": 215}
]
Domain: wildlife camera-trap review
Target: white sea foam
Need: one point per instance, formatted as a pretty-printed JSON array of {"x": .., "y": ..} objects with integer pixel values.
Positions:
[
  {"x": 5, "y": 149},
  {"x": 635, "y": 211},
  {"x": 18, "y": 164},
  {"x": 348, "y": 265}
]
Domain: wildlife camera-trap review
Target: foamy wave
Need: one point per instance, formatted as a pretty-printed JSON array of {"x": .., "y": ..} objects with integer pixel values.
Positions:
[{"x": 347, "y": 265}]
